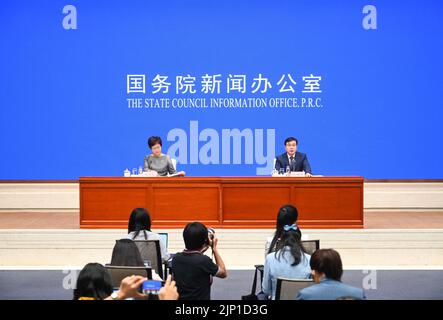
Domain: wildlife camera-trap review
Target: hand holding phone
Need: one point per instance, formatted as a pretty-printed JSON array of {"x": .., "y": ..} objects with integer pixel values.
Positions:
[{"x": 151, "y": 287}]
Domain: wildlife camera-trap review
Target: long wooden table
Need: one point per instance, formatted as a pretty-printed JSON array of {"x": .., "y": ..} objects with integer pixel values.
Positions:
[{"x": 222, "y": 202}]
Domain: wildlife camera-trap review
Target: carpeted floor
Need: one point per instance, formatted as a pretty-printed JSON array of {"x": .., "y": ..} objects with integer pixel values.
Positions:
[{"x": 410, "y": 284}]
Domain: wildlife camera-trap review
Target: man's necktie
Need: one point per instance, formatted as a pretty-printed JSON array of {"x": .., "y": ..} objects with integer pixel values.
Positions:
[{"x": 292, "y": 164}]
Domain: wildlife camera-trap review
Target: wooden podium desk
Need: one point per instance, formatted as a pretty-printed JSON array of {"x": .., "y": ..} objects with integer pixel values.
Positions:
[{"x": 221, "y": 202}]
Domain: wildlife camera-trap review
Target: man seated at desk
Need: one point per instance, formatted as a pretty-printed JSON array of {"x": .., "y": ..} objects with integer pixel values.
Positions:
[{"x": 296, "y": 161}]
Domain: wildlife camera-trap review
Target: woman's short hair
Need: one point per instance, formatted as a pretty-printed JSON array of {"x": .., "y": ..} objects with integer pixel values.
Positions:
[
  {"x": 328, "y": 262},
  {"x": 94, "y": 282},
  {"x": 195, "y": 235},
  {"x": 152, "y": 141},
  {"x": 126, "y": 254}
]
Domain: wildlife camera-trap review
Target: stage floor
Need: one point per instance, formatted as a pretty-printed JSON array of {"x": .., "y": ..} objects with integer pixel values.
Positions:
[
  {"x": 372, "y": 220},
  {"x": 411, "y": 240}
]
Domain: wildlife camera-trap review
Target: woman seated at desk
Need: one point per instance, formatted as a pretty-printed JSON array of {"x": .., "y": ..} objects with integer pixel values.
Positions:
[{"x": 157, "y": 161}]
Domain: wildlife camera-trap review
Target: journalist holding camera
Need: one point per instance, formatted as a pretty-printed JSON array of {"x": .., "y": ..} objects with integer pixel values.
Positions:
[{"x": 192, "y": 269}]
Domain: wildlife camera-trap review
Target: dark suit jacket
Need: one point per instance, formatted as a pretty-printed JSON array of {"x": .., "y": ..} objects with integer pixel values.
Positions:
[{"x": 301, "y": 162}]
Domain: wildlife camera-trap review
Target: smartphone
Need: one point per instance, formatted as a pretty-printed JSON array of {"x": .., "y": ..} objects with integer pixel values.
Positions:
[{"x": 151, "y": 287}]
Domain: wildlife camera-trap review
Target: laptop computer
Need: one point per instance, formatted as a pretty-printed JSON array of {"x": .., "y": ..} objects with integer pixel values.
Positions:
[{"x": 164, "y": 238}]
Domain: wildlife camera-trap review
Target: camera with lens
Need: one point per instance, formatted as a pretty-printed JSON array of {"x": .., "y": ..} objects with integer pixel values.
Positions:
[{"x": 211, "y": 235}]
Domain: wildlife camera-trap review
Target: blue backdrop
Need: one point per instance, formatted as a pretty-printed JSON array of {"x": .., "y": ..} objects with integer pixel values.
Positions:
[{"x": 64, "y": 93}]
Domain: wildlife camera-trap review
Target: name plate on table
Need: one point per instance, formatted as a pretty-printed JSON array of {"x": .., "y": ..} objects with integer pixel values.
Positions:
[
  {"x": 292, "y": 174},
  {"x": 152, "y": 173}
]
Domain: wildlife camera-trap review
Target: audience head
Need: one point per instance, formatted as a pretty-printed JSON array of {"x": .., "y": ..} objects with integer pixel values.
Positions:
[
  {"x": 155, "y": 144},
  {"x": 287, "y": 215},
  {"x": 93, "y": 282},
  {"x": 139, "y": 220},
  {"x": 326, "y": 263},
  {"x": 126, "y": 254},
  {"x": 195, "y": 236}
]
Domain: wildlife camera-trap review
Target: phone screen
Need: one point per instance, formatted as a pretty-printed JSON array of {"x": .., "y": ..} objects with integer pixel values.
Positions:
[{"x": 151, "y": 287}]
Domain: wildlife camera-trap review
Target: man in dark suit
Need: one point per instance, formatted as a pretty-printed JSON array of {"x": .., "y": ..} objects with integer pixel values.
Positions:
[{"x": 296, "y": 161}]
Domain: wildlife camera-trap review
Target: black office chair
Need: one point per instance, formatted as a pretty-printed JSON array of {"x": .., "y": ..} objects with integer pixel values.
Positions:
[
  {"x": 288, "y": 289},
  {"x": 150, "y": 250},
  {"x": 118, "y": 273}
]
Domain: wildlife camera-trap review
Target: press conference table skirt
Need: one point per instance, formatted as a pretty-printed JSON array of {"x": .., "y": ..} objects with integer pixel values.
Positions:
[{"x": 221, "y": 202}]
